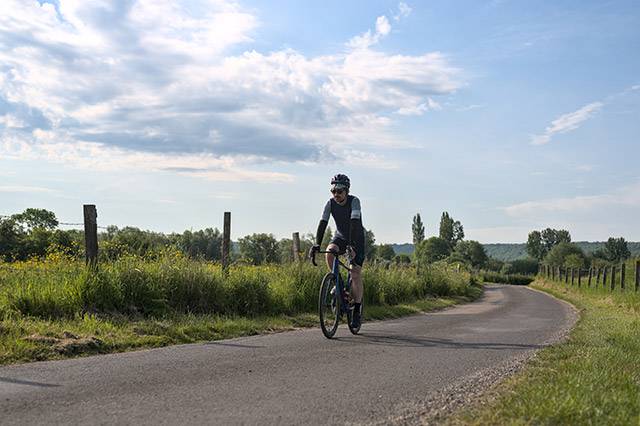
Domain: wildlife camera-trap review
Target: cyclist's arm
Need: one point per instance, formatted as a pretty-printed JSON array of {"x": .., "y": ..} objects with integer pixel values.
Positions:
[
  {"x": 324, "y": 221},
  {"x": 356, "y": 221}
]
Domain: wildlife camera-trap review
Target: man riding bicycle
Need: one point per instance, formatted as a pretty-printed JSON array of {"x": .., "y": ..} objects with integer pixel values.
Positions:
[{"x": 349, "y": 236}]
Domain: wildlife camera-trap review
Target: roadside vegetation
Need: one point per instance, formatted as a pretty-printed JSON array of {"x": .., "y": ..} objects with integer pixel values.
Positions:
[
  {"x": 56, "y": 307},
  {"x": 593, "y": 378}
]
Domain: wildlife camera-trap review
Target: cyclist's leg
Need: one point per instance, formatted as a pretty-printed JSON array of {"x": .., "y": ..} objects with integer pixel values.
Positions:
[
  {"x": 330, "y": 257},
  {"x": 356, "y": 283},
  {"x": 356, "y": 274},
  {"x": 337, "y": 244}
]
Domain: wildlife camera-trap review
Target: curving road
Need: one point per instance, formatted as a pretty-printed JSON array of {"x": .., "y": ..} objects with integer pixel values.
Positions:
[{"x": 288, "y": 378}]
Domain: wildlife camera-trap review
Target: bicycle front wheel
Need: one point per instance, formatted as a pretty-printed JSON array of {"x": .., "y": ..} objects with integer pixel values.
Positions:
[{"x": 329, "y": 306}]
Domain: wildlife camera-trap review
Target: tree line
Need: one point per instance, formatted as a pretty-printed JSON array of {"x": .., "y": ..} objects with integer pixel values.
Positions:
[{"x": 554, "y": 247}]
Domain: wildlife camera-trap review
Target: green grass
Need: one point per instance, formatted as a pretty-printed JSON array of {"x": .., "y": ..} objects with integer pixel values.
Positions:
[
  {"x": 56, "y": 308},
  {"x": 34, "y": 339},
  {"x": 593, "y": 378}
]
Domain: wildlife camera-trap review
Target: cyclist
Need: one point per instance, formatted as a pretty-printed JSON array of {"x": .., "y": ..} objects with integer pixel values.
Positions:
[{"x": 349, "y": 236}]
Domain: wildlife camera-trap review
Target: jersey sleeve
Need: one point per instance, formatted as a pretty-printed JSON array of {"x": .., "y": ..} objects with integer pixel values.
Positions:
[
  {"x": 327, "y": 211},
  {"x": 356, "y": 210}
]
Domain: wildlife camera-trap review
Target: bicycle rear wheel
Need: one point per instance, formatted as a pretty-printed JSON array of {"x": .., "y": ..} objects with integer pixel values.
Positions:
[
  {"x": 329, "y": 306},
  {"x": 355, "y": 330}
]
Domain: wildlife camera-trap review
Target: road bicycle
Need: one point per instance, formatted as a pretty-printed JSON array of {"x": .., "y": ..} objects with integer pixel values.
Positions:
[{"x": 334, "y": 299}]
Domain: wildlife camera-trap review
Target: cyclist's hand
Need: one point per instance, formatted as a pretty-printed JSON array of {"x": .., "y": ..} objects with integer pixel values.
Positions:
[
  {"x": 314, "y": 249},
  {"x": 351, "y": 252}
]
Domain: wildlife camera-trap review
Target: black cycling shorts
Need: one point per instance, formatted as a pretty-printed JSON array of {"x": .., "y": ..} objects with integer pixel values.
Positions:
[{"x": 342, "y": 246}]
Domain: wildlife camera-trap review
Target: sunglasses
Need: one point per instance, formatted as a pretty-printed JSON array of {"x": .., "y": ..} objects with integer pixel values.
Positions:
[{"x": 337, "y": 191}]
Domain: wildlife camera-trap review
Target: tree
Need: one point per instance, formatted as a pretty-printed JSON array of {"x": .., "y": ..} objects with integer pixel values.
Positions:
[
  {"x": 574, "y": 261},
  {"x": 259, "y": 248},
  {"x": 458, "y": 232},
  {"x": 36, "y": 218},
  {"x": 471, "y": 253},
  {"x": 451, "y": 231},
  {"x": 431, "y": 250},
  {"x": 369, "y": 244},
  {"x": 553, "y": 237},
  {"x": 11, "y": 237},
  {"x": 385, "y": 251},
  {"x": 446, "y": 228},
  {"x": 616, "y": 249},
  {"x": 535, "y": 248},
  {"x": 560, "y": 252},
  {"x": 539, "y": 243},
  {"x": 417, "y": 228},
  {"x": 326, "y": 239}
]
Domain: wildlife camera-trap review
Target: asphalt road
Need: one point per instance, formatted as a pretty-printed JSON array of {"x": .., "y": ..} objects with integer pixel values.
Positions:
[{"x": 288, "y": 378}]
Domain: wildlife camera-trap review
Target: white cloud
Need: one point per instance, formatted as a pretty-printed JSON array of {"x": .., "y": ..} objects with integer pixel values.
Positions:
[
  {"x": 21, "y": 189},
  {"x": 161, "y": 81},
  {"x": 627, "y": 196},
  {"x": 403, "y": 11},
  {"x": 567, "y": 122}
]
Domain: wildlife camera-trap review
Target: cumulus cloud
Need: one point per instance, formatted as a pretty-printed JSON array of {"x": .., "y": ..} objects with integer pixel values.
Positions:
[
  {"x": 567, "y": 122},
  {"x": 403, "y": 11},
  {"x": 171, "y": 83}
]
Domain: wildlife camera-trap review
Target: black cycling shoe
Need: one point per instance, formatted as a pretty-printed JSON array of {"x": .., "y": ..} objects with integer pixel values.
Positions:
[{"x": 355, "y": 317}]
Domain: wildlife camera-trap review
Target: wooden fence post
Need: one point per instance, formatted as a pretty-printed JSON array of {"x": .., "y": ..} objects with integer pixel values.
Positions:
[
  {"x": 604, "y": 277},
  {"x": 590, "y": 276},
  {"x": 613, "y": 278},
  {"x": 296, "y": 246},
  {"x": 579, "y": 277},
  {"x": 566, "y": 276},
  {"x": 573, "y": 273},
  {"x": 637, "y": 274},
  {"x": 598, "y": 271},
  {"x": 91, "y": 235},
  {"x": 226, "y": 243},
  {"x": 623, "y": 274},
  {"x": 553, "y": 273}
]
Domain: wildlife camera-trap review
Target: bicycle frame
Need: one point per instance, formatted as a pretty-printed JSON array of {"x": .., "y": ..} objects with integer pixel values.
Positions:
[{"x": 340, "y": 285}]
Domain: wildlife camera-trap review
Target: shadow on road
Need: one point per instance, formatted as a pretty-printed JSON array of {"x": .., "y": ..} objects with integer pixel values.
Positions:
[
  {"x": 417, "y": 341},
  {"x": 27, "y": 382},
  {"x": 234, "y": 345}
]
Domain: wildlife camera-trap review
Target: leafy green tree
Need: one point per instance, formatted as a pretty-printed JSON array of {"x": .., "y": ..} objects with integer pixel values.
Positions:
[
  {"x": 559, "y": 253},
  {"x": 11, "y": 239},
  {"x": 616, "y": 249},
  {"x": 535, "y": 248},
  {"x": 574, "y": 261},
  {"x": 451, "y": 231},
  {"x": 202, "y": 244},
  {"x": 369, "y": 244},
  {"x": 259, "y": 248},
  {"x": 458, "y": 232},
  {"x": 431, "y": 250},
  {"x": 326, "y": 239},
  {"x": 446, "y": 228},
  {"x": 386, "y": 252},
  {"x": 470, "y": 252},
  {"x": 417, "y": 229},
  {"x": 553, "y": 237},
  {"x": 36, "y": 218}
]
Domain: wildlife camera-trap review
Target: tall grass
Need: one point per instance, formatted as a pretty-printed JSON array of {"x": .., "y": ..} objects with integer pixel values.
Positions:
[{"x": 60, "y": 287}]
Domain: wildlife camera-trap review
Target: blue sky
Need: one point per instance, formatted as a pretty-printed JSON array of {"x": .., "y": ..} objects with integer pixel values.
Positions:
[{"x": 510, "y": 115}]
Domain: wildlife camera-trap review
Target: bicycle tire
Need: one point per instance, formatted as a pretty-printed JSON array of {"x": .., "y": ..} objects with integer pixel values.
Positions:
[
  {"x": 355, "y": 330},
  {"x": 329, "y": 306}
]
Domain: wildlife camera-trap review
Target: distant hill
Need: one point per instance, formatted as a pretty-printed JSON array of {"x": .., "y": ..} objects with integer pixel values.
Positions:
[{"x": 512, "y": 251}]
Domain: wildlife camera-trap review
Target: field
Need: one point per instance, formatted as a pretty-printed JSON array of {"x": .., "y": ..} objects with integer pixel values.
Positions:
[{"x": 56, "y": 307}]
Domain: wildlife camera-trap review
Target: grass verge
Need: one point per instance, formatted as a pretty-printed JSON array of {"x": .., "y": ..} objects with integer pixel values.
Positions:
[
  {"x": 592, "y": 378},
  {"x": 33, "y": 339}
]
